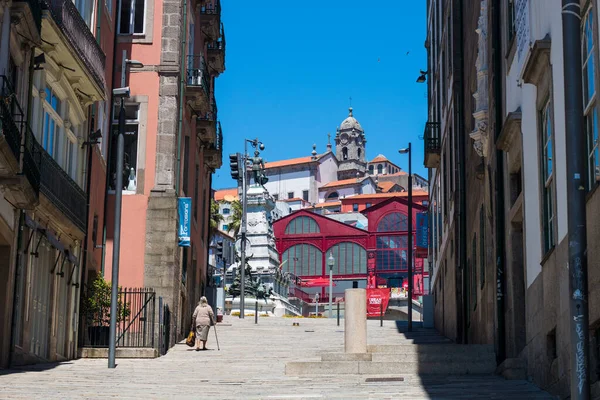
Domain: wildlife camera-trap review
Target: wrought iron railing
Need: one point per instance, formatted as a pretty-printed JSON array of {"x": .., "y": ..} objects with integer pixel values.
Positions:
[
  {"x": 60, "y": 189},
  {"x": 136, "y": 313},
  {"x": 212, "y": 7},
  {"x": 210, "y": 115},
  {"x": 67, "y": 17},
  {"x": 197, "y": 73},
  {"x": 432, "y": 138},
  {"x": 14, "y": 126},
  {"x": 219, "y": 44},
  {"x": 219, "y": 143},
  {"x": 36, "y": 12}
]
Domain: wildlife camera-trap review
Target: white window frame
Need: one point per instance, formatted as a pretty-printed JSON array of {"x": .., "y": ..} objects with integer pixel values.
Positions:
[
  {"x": 547, "y": 177},
  {"x": 59, "y": 125},
  {"x": 131, "y": 19}
]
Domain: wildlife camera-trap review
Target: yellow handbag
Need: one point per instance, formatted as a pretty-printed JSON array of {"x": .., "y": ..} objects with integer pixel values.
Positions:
[{"x": 191, "y": 339}]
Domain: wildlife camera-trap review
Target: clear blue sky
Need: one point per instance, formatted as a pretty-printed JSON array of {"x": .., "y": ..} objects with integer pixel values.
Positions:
[{"x": 292, "y": 67}]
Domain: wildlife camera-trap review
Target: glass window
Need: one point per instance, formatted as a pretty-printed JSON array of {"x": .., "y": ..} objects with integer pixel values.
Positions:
[
  {"x": 392, "y": 253},
  {"x": 301, "y": 225},
  {"x": 482, "y": 246},
  {"x": 196, "y": 186},
  {"x": 368, "y": 205},
  {"x": 131, "y": 17},
  {"x": 303, "y": 260},
  {"x": 333, "y": 196},
  {"x": 379, "y": 169},
  {"x": 344, "y": 153},
  {"x": 350, "y": 258},
  {"x": 547, "y": 176},
  {"x": 305, "y": 195},
  {"x": 85, "y": 10},
  {"x": 589, "y": 97},
  {"x": 131, "y": 146},
  {"x": 290, "y": 195},
  {"x": 371, "y": 169},
  {"x": 393, "y": 222},
  {"x": 226, "y": 211},
  {"x": 511, "y": 20},
  {"x": 355, "y": 207},
  {"x": 226, "y": 228},
  {"x": 52, "y": 122}
]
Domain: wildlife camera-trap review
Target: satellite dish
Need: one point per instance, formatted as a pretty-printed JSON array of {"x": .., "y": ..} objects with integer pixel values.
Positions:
[{"x": 229, "y": 198}]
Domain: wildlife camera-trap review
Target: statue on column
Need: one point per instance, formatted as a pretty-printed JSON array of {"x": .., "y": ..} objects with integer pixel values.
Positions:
[{"x": 258, "y": 169}]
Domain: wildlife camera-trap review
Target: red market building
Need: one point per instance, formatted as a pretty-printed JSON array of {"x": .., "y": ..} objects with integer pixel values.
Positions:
[{"x": 305, "y": 240}]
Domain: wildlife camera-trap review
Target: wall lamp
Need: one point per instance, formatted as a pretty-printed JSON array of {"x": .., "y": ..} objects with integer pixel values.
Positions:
[
  {"x": 423, "y": 77},
  {"x": 94, "y": 138},
  {"x": 38, "y": 61}
]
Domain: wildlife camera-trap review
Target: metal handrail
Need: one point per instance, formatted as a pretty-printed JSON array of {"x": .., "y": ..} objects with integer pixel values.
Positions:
[
  {"x": 212, "y": 8},
  {"x": 197, "y": 72}
]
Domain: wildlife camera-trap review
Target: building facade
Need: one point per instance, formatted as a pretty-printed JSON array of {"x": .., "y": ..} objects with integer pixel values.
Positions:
[
  {"x": 54, "y": 92},
  {"x": 499, "y": 256},
  {"x": 173, "y": 144}
]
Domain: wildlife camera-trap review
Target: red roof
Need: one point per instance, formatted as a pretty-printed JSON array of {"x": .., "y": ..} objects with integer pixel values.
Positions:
[
  {"x": 220, "y": 194},
  {"x": 416, "y": 193},
  {"x": 344, "y": 182},
  {"x": 379, "y": 158},
  {"x": 386, "y": 186},
  {"x": 289, "y": 162}
]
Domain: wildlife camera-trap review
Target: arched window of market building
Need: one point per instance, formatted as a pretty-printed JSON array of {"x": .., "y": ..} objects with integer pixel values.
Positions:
[
  {"x": 300, "y": 225},
  {"x": 303, "y": 260},
  {"x": 350, "y": 258},
  {"x": 393, "y": 222},
  {"x": 333, "y": 196},
  {"x": 392, "y": 253}
]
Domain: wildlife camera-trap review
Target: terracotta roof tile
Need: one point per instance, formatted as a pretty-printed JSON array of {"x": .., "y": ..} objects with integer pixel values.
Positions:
[
  {"x": 379, "y": 158},
  {"x": 416, "y": 193},
  {"x": 288, "y": 162},
  {"x": 327, "y": 204},
  {"x": 386, "y": 186},
  {"x": 344, "y": 182},
  {"x": 220, "y": 194}
]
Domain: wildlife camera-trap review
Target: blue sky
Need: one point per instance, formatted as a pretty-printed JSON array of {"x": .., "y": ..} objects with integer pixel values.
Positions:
[{"x": 291, "y": 69}]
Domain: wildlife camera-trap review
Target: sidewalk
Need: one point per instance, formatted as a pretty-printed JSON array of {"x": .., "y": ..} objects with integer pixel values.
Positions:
[{"x": 250, "y": 365}]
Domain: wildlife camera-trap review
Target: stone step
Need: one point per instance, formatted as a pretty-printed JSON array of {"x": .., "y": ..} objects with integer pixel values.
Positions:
[
  {"x": 380, "y": 368},
  {"x": 426, "y": 357},
  {"x": 453, "y": 348}
]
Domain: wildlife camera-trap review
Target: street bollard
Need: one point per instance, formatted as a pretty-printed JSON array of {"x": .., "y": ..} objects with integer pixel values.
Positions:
[
  {"x": 355, "y": 321},
  {"x": 381, "y": 314},
  {"x": 256, "y": 312},
  {"x": 338, "y": 314}
]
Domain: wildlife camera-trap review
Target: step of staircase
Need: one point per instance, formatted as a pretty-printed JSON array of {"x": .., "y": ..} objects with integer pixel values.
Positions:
[{"x": 472, "y": 349}]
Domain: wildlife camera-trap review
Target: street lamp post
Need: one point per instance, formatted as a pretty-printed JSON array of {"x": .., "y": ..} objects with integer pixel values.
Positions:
[
  {"x": 408, "y": 151},
  {"x": 119, "y": 93},
  {"x": 330, "y": 262}
]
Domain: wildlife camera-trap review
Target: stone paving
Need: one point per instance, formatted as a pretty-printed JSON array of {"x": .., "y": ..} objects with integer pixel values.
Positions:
[{"x": 250, "y": 365}]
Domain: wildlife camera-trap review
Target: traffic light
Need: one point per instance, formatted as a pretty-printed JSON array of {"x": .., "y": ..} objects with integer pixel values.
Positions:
[
  {"x": 234, "y": 166},
  {"x": 220, "y": 249}
]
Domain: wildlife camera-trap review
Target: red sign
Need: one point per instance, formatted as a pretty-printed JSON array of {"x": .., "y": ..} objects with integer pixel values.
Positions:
[{"x": 376, "y": 298}]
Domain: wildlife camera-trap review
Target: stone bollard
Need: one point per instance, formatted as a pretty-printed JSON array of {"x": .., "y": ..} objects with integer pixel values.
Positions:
[{"x": 355, "y": 321}]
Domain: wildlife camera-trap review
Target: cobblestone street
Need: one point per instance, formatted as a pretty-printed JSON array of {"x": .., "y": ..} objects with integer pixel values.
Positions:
[{"x": 250, "y": 365}]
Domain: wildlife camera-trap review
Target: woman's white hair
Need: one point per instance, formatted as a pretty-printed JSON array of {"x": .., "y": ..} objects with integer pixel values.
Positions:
[{"x": 203, "y": 301}]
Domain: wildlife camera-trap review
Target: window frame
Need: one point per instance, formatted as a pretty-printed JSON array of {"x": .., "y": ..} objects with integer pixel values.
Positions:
[
  {"x": 547, "y": 178},
  {"x": 115, "y": 126},
  {"x": 132, "y": 19}
]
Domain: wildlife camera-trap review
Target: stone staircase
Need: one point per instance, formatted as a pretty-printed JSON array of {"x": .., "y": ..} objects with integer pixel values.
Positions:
[{"x": 421, "y": 352}]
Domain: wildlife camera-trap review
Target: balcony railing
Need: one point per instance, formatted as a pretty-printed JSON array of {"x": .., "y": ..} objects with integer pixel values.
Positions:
[
  {"x": 67, "y": 17},
  {"x": 61, "y": 190},
  {"x": 211, "y": 8},
  {"x": 432, "y": 145},
  {"x": 14, "y": 126},
  {"x": 216, "y": 51},
  {"x": 210, "y": 115},
  {"x": 197, "y": 73},
  {"x": 36, "y": 12}
]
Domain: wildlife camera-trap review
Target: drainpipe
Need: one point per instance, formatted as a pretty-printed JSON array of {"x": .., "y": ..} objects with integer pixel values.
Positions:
[
  {"x": 108, "y": 148},
  {"x": 499, "y": 191},
  {"x": 181, "y": 99}
]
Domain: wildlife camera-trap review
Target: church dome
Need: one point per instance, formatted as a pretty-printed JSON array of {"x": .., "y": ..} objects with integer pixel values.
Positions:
[{"x": 350, "y": 123}]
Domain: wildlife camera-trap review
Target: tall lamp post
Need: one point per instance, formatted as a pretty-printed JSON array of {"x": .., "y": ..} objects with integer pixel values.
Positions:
[
  {"x": 408, "y": 151},
  {"x": 118, "y": 93},
  {"x": 330, "y": 262}
]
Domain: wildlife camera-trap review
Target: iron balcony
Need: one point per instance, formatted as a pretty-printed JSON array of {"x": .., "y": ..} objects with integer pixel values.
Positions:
[
  {"x": 62, "y": 191},
  {"x": 210, "y": 18},
  {"x": 433, "y": 144},
  {"x": 67, "y": 18},
  {"x": 197, "y": 83},
  {"x": 206, "y": 125},
  {"x": 213, "y": 155},
  {"x": 19, "y": 171},
  {"x": 216, "y": 53}
]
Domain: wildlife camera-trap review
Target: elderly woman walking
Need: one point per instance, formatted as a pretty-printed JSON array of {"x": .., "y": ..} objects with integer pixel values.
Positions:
[{"x": 202, "y": 320}]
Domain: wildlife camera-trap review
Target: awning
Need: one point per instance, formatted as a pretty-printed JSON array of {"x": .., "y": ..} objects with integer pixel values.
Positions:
[{"x": 317, "y": 282}]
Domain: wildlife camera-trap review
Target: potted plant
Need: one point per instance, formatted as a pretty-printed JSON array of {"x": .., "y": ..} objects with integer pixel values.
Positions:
[{"x": 95, "y": 309}]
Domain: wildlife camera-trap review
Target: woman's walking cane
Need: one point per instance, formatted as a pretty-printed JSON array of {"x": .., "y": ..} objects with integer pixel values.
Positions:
[{"x": 216, "y": 337}]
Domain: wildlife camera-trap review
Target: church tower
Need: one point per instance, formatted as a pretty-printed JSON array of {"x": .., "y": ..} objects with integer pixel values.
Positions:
[{"x": 350, "y": 145}]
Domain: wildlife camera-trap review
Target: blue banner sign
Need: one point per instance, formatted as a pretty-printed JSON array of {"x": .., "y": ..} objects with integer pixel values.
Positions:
[
  {"x": 422, "y": 231},
  {"x": 184, "y": 205}
]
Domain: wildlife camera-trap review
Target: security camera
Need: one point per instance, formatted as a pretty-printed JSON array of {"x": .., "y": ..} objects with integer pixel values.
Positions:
[
  {"x": 261, "y": 147},
  {"x": 120, "y": 93},
  {"x": 96, "y": 135}
]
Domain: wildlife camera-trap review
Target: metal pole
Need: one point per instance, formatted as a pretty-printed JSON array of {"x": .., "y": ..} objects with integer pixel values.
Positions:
[
  {"x": 117, "y": 236},
  {"x": 410, "y": 238},
  {"x": 243, "y": 230},
  {"x": 575, "y": 144},
  {"x": 256, "y": 311},
  {"x": 338, "y": 314},
  {"x": 330, "y": 291}
]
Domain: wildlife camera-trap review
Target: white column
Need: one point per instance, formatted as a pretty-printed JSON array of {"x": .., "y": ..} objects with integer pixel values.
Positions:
[{"x": 355, "y": 321}]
